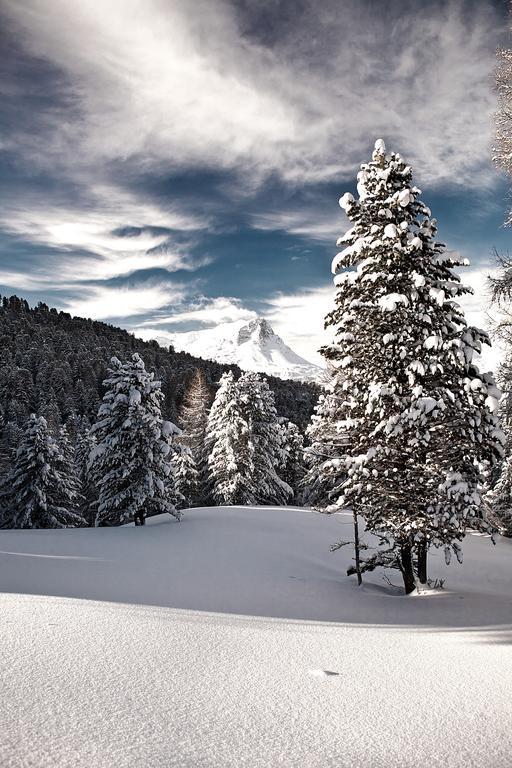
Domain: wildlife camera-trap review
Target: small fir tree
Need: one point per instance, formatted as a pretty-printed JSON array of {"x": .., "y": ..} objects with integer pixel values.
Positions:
[
  {"x": 325, "y": 452},
  {"x": 266, "y": 444},
  {"x": 131, "y": 461},
  {"x": 42, "y": 489},
  {"x": 186, "y": 477}
]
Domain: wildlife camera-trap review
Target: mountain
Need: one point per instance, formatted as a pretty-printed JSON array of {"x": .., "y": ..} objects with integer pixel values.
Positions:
[{"x": 253, "y": 346}]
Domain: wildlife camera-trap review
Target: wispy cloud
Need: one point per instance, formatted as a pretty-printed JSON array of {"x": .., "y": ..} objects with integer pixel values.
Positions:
[
  {"x": 203, "y": 312},
  {"x": 182, "y": 84},
  {"x": 119, "y": 101},
  {"x": 104, "y": 302}
]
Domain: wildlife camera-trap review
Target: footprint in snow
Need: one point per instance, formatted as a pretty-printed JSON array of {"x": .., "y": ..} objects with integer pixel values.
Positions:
[{"x": 322, "y": 673}]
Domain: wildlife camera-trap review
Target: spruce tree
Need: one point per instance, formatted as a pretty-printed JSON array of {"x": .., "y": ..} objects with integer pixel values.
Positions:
[
  {"x": 245, "y": 443},
  {"x": 266, "y": 444},
  {"x": 185, "y": 477},
  {"x": 293, "y": 468},
  {"x": 131, "y": 461},
  {"x": 327, "y": 446},
  {"x": 499, "y": 500},
  {"x": 84, "y": 445},
  {"x": 42, "y": 488},
  {"x": 421, "y": 418},
  {"x": 194, "y": 417},
  {"x": 228, "y": 446}
]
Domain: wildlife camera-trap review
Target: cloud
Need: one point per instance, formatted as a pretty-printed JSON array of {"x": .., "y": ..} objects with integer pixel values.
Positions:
[
  {"x": 205, "y": 312},
  {"x": 299, "y": 319},
  {"x": 179, "y": 85},
  {"x": 104, "y": 302}
]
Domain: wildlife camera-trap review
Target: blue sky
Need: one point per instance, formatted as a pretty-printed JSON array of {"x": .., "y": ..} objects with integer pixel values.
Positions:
[{"x": 170, "y": 165}]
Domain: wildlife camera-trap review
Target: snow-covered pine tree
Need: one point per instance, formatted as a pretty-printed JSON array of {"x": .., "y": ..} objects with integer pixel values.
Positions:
[
  {"x": 131, "y": 461},
  {"x": 264, "y": 485},
  {"x": 327, "y": 446},
  {"x": 244, "y": 442},
  {"x": 228, "y": 446},
  {"x": 186, "y": 477},
  {"x": 293, "y": 468},
  {"x": 66, "y": 466},
  {"x": 42, "y": 493},
  {"x": 499, "y": 500},
  {"x": 85, "y": 443},
  {"x": 421, "y": 418},
  {"x": 194, "y": 417}
]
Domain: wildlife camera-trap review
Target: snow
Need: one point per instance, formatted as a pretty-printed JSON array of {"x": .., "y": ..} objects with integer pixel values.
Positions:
[
  {"x": 234, "y": 639},
  {"x": 252, "y": 346},
  {"x": 390, "y": 301}
]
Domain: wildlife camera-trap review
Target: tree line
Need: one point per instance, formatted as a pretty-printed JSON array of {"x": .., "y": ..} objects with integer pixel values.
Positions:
[{"x": 132, "y": 463}]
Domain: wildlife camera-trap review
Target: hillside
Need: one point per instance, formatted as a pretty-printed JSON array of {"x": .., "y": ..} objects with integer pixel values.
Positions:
[
  {"x": 54, "y": 364},
  {"x": 254, "y": 346},
  {"x": 234, "y": 639}
]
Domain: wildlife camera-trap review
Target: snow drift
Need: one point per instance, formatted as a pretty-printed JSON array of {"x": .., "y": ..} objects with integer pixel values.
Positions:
[{"x": 234, "y": 639}]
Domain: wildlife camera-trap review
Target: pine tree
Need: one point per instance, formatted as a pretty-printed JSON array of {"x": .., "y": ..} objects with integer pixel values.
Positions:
[
  {"x": 499, "y": 500},
  {"x": 245, "y": 444},
  {"x": 268, "y": 450},
  {"x": 324, "y": 454},
  {"x": 293, "y": 468},
  {"x": 85, "y": 444},
  {"x": 194, "y": 417},
  {"x": 421, "y": 418},
  {"x": 185, "y": 477},
  {"x": 228, "y": 445},
  {"x": 43, "y": 493},
  {"x": 66, "y": 466},
  {"x": 131, "y": 461}
]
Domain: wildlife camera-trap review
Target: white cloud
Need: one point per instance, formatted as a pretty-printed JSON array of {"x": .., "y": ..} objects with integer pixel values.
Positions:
[
  {"x": 204, "y": 311},
  {"x": 73, "y": 230},
  {"x": 299, "y": 319},
  {"x": 180, "y": 84},
  {"x": 104, "y": 302}
]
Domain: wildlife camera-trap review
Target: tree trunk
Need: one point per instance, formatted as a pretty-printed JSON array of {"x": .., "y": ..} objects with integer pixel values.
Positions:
[
  {"x": 356, "y": 550},
  {"x": 406, "y": 566},
  {"x": 422, "y": 563}
]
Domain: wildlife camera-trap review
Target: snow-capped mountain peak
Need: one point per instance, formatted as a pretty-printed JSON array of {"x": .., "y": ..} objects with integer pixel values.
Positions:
[{"x": 253, "y": 346}]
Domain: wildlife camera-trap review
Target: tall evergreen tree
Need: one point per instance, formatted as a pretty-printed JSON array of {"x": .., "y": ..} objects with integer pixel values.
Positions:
[
  {"x": 131, "y": 461},
  {"x": 293, "y": 468},
  {"x": 194, "y": 417},
  {"x": 85, "y": 443},
  {"x": 245, "y": 444},
  {"x": 268, "y": 449},
  {"x": 421, "y": 418},
  {"x": 228, "y": 445},
  {"x": 42, "y": 490}
]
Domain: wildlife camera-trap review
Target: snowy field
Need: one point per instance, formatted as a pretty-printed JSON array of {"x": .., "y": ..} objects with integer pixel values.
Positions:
[{"x": 234, "y": 639}]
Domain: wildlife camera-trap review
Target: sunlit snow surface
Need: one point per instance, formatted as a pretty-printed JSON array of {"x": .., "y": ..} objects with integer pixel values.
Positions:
[{"x": 234, "y": 639}]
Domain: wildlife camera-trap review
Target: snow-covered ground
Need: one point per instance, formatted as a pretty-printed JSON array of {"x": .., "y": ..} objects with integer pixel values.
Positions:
[{"x": 234, "y": 639}]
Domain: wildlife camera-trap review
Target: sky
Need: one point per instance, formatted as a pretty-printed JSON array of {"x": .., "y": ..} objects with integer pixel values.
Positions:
[{"x": 172, "y": 165}]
